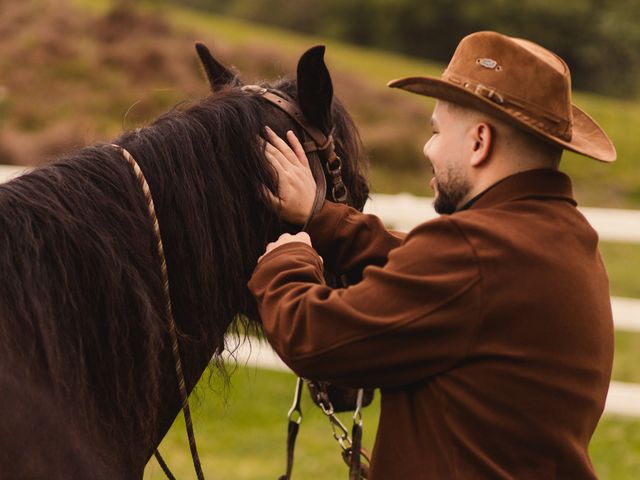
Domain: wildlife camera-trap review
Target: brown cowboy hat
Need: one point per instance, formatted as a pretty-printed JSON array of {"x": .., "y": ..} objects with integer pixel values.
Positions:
[{"x": 519, "y": 82}]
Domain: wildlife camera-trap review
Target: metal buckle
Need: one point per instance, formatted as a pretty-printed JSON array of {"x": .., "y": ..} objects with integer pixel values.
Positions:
[
  {"x": 254, "y": 89},
  {"x": 489, "y": 93},
  {"x": 339, "y": 190},
  {"x": 339, "y": 193},
  {"x": 295, "y": 413}
]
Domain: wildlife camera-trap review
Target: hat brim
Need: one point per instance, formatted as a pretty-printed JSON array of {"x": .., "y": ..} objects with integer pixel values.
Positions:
[{"x": 587, "y": 137}]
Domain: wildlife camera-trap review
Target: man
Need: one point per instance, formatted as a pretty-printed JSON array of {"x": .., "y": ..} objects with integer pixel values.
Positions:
[{"x": 489, "y": 329}]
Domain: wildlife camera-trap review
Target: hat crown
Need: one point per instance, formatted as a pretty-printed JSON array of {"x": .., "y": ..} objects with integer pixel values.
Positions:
[
  {"x": 518, "y": 82},
  {"x": 524, "y": 73}
]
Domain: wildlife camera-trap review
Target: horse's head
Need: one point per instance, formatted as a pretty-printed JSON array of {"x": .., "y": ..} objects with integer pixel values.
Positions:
[{"x": 312, "y": 92}]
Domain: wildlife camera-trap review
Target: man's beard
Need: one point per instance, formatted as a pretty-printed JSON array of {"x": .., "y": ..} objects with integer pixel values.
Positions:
[{"x": 451, "y": 193}]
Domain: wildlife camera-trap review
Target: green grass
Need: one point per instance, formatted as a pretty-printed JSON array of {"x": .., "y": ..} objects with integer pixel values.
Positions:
[
  {"x": 615, "y": 448},
  {"x": 387, "y": 180},
  {"x": 376, "y": 66},
  {"x": 626, "y": 357},
  {"x": 623, "y": 265},
  {"x": 244, "y": 437}
]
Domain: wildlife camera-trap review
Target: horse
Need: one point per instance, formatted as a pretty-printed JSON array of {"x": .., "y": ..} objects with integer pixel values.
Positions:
[
  {"x": 81, "y": 303},
  {"x": 40, "y": 439}
]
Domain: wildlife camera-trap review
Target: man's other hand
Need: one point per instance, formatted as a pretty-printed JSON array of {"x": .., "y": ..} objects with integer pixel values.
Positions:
[{"x": 287, "y": 238}]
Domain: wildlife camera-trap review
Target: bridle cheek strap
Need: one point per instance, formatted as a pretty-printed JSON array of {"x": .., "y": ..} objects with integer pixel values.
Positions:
[
  {"x": 321, "y": 181},
  {"x": 313, "y": 139},
  {"x": 315, "y": 144}
]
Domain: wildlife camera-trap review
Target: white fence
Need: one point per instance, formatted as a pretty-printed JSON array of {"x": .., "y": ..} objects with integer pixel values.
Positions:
[
  {"x": 403, "y": 212},
  {"x": 7, "y": 172}
]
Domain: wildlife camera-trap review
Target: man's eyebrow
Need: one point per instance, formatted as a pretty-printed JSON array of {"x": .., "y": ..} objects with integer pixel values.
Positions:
[{"x": 433, "y": 122}]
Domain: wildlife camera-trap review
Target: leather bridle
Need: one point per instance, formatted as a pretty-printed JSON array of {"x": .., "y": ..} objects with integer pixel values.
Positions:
[{"x": 315, "y": 144}]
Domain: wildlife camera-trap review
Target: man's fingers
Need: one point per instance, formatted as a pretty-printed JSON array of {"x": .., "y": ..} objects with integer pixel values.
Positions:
[
  {"x": 276, "y": 156},
  {"x": 288, "y": 238},
  {"x": 281, "y": 146},
  {"x": 298, "y": 149},
  {"x": 303, "y": 236},
  {"x": 273, "y": 155},
  {"x": 294, "y": 154},
  {"x": 277, "y": 159}
]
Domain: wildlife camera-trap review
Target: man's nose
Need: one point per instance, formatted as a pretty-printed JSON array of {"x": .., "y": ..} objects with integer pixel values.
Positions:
[{"x": 425, "y": 149}]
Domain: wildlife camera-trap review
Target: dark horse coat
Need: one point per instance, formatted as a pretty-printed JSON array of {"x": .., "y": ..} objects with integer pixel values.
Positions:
[
  {"x": 81, "y": 310},
  {"x": 489, "y": 331}
]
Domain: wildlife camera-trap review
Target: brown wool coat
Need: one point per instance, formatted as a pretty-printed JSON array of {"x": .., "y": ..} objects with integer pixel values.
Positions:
[{"x": 489, "y": 331}]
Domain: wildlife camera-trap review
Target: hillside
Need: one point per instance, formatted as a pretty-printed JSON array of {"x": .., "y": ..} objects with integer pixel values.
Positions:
[{"x": 74, "y": 73}]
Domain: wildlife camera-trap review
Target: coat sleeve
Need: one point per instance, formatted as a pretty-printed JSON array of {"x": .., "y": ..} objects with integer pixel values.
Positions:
[
  {"x": 406, "y": 321},
  {"x": 349, "y": 240}
]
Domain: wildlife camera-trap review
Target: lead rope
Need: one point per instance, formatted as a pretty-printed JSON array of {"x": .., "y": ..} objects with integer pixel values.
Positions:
[{"x": 171, "y": 321}]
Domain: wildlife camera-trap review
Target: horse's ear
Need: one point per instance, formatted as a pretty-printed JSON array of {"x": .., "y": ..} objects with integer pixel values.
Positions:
[
  {"x": 315, "y": 90},
  {"x": 217, "y": 74}
]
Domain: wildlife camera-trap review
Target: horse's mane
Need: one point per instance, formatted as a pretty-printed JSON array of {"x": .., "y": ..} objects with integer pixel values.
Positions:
[{"x": 80, "y": 290}]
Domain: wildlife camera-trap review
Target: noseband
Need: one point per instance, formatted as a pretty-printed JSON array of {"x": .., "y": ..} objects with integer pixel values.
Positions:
[{"x": 315, "y": 143}]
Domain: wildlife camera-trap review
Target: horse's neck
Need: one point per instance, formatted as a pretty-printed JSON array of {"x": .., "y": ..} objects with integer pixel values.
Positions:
[
  {"x": 194, "y": 349},
  {"x": 89, "y": 317}
]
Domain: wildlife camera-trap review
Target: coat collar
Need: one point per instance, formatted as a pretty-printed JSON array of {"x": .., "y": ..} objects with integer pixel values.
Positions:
[{"x": 538, "y": 184}]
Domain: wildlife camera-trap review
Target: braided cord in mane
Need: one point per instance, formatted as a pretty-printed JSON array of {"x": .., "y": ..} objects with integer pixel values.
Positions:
[{"x": 175, "y": 349}]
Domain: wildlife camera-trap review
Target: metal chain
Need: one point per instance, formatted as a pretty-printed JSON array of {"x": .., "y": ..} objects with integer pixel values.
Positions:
[{"x": 339, "y": 430}]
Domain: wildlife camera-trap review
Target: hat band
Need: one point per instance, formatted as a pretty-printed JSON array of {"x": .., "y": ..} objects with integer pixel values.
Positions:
[{"x": 525, "y": 111}]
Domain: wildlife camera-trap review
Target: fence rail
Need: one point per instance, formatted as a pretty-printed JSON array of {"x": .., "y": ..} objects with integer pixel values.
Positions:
[
  {"x": 7, "y": 172},
  {"x": 404, "y": 211},
  {"x": 622, "y": 399}
]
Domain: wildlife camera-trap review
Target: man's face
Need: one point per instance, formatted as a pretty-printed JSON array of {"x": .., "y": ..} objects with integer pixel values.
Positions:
[{"x": 445, "y": 151}]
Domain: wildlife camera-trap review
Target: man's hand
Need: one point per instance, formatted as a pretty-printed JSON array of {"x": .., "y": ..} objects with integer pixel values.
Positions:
[
  {"x": 296, "y": 185},
  {"x": 287, "y": 238}
]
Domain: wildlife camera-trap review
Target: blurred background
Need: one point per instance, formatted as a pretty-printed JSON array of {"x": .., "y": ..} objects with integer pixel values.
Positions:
[{"x": 75, "y": 72}]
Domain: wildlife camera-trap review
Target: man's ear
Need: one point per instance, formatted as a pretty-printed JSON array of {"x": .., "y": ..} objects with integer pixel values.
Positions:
[
  {"x": 315, "y": 89},
  {"x": 217, "y": 74},
  {"x": 481, "y": 138}
]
